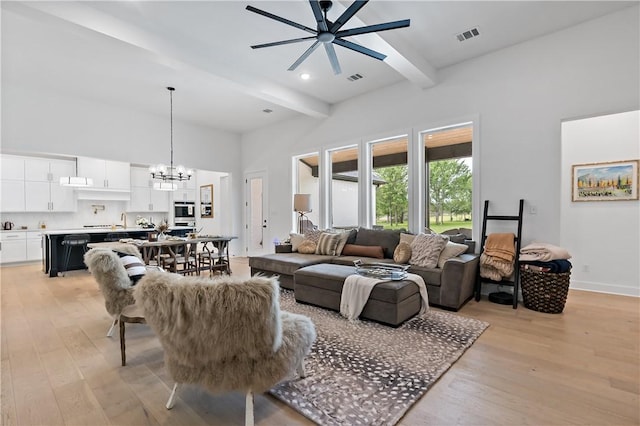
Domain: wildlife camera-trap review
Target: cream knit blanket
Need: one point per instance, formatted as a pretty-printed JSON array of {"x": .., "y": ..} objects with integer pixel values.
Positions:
[{"x": 356, "y": 291}]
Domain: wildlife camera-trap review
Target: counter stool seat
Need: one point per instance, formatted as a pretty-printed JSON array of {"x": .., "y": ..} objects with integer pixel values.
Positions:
[{"x": 69, "y": 243}]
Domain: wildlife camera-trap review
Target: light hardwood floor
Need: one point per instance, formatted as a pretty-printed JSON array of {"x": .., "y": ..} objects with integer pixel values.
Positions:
[{"x": 58, "y": 366}]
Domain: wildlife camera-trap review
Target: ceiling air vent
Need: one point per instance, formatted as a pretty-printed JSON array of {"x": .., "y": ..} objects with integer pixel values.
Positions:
[
  {"x": 466, "y": 35},
  {"x": 354, "y": 77}
]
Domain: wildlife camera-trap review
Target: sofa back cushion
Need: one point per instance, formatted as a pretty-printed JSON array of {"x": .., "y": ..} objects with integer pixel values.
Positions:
[{"x": 388, "y": 239}]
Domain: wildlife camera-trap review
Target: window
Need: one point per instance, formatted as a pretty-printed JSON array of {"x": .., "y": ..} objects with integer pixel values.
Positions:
[
  {"x": 449, "y": 177},
  {"x": 344, "y": 188},
  {"x": 389, "y": 180},
  {"x": 307, "y": 182}
]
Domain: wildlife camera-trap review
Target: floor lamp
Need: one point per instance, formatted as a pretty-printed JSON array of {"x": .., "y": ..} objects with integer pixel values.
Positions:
[{"x": 302, "y": 205}]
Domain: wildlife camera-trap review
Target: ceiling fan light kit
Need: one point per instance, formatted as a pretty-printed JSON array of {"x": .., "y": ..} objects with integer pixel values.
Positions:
[{"x": 328, "y": 33}]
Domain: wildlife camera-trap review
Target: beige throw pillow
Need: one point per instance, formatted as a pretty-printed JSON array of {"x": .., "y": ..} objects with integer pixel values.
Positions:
[
  {"x": 406, "y": 238},
  {"x": 307, "y": 247},
  {"x": 296, "y": 240},
  {"x": 313, "y": 235},
  {"x": 402, "y": 253},
  {"x": 426, "y": 248},
  {"x": 342, "y": 241},
  {"x": 327, "y": 244},
  {"x": 450, "y": 250}
]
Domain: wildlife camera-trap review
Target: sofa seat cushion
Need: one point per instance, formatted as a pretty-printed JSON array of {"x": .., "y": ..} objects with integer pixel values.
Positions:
[
  {"x": 331, "y": 278},
  {"x": 348, "y": 260},
  {"x": 286, "y": 263},
  {"x": 431, "y": 276}
]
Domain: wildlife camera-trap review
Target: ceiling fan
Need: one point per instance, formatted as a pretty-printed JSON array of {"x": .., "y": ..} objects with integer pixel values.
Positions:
[{"x": 328, "y": 33}]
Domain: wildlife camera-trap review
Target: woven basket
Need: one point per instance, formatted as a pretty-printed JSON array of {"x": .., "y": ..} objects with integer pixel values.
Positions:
[{"x": 544, "y": 291}]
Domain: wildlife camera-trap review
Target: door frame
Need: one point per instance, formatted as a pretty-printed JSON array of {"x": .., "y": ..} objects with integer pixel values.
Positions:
[{"x": 266, "y": 236}]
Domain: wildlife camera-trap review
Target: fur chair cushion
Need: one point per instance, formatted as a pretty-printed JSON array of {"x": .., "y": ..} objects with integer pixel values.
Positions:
[
  {"x": 224, "y": 333},
  {"x": 112, "y": 278}
]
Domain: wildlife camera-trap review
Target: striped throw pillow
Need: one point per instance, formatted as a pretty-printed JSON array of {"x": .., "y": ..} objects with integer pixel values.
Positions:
[
  {"x": 135, "y": 267},
  {"x": 327, "y": 244}
]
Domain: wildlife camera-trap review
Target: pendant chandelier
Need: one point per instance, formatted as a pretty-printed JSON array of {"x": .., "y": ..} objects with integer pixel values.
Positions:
[{"x": 169, "y": 176}]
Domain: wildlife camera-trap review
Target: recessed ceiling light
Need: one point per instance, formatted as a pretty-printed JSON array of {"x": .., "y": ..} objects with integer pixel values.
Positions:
[{"x": 305, "y": 76}]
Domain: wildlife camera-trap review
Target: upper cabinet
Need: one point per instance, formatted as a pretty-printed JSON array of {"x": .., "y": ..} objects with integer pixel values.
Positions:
[
  {"x": 106, "y": 174},
  {"x": 143, "y": 197},
  {"x": 12, "y": 167},
  {"x": 12, "y": 183},
  {"x": 42, "y": 190}
]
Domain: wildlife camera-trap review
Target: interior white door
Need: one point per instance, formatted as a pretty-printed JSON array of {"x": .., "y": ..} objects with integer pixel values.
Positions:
[{"x": 256, "y": 222}]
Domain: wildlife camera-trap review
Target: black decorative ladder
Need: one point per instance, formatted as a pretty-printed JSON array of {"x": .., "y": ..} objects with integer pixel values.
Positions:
[{"x": 516, "y": 277}]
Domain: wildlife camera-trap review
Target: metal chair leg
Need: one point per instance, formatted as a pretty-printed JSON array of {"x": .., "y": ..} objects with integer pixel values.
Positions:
[
  {"x": 248, "y": 412},
  {"x": 110, "y": 332},
  {"x": 172, "y": 397}
]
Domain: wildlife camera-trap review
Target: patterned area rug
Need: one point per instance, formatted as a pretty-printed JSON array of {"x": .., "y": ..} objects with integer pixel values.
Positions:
[{"x": 365, "y": 373}]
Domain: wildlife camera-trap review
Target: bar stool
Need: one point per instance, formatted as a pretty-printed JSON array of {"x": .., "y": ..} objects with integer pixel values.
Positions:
[
  {"x": 71, "y": 241},
  {"x": 116, "y": 236}
]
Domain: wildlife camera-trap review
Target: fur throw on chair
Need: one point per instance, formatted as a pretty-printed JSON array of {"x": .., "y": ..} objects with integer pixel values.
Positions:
[
  {"x": 226, "y": 333},
  {"x": 114, "y": 282}
]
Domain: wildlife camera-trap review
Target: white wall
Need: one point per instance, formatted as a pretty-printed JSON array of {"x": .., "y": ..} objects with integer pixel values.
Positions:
[
  {"x": 602, "y": 236},
  {"x": 216, "y": 224},
  {"x": 38, "y": 121},
  {"x": 520, "y": 94}
]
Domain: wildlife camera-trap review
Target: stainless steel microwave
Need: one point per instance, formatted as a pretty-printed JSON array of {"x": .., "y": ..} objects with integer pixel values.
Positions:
[{"x": 184, "y": 210}]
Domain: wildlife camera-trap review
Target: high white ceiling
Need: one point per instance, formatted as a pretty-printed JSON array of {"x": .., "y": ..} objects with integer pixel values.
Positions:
[{"x": 126, "y": 53}]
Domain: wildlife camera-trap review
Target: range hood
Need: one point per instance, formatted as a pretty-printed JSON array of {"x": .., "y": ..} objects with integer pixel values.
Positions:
[{"x": 100, "y": 194}]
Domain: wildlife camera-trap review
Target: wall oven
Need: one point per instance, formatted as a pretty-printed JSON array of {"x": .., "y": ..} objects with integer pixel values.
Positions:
[{"x": 184, "y": 213}]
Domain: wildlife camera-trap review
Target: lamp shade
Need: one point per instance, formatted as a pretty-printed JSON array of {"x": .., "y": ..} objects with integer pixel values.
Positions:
[{"x": 301, "y": 202}]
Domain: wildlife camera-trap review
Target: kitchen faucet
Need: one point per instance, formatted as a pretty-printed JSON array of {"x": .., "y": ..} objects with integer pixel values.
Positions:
[{"x": 123, "y": 217}]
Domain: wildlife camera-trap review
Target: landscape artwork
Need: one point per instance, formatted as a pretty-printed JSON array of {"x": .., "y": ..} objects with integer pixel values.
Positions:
[{"x": 613, "y": 181}]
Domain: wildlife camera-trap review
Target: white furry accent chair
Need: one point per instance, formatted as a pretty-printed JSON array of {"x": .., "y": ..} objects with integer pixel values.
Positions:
[
  {"x": 115, "y": 284},
  {"x": 225, "y": 334}
]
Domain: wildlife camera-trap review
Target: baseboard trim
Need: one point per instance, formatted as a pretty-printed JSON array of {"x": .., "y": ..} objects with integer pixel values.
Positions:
[{"x": 605, "y": 288}]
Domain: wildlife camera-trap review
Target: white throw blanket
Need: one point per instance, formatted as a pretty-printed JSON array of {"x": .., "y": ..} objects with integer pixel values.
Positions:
[
  {"x": 356, "y": 291},
  {"x": 543, "y": 252}
]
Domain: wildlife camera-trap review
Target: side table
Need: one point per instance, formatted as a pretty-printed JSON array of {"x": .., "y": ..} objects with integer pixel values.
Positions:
[{"x": 284, "y": 248}]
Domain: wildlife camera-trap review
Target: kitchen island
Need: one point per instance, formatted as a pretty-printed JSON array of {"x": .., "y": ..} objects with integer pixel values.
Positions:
[{"x": 54, "y": 250}]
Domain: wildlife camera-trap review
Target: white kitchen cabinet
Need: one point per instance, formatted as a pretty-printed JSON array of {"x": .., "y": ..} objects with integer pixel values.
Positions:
[
  {"x": 145, "y": 199},
  {"x": 12, "y": 167},
  {"x": 141, "y": 177},
  {"x": 48, "y": 197},
  {"x": 12, "y": 196},
  {"x": 48, "y": 170},
  {"x": 106, "y": 174},
  {"x": 34, "y": 245},
  {"x": 13, "y": 247},
  {"x": 184, "y": 195}
]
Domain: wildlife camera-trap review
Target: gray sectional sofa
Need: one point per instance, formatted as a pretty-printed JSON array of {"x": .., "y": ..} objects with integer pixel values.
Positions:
[{"x": 448, "y": 287}]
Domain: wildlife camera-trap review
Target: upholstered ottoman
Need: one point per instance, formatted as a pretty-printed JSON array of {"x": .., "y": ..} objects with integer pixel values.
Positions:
[{"x": 391, "y": 302}]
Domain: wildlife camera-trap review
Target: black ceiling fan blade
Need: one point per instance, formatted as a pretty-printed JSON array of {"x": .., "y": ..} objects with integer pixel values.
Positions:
[
  {"x": 279, "y": 43},
  {"x": 317, "y": 12},
  {"x": 304, "y": 56},
  {"x": 348, "y": 14},
  {"x": 359, "y": 48},
  {"x": 280, "y": 19},
  {"x": 331, "y": 53},
  {"x": 374, "y": 28}
]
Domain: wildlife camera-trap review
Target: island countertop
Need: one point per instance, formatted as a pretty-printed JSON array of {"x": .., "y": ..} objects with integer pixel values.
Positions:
[{"x": 108, "y": 230}]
